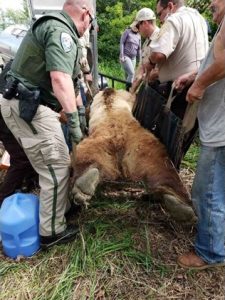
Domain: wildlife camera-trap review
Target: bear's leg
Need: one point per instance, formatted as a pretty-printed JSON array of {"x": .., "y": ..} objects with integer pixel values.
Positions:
[
  {"x": 146, "y": 160},
  {"x": 94, "y": 162},
  {"x": 85, "y": 186}
]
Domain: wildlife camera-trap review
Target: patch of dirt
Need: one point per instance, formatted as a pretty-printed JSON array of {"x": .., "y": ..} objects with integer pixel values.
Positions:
[{"x": 154, "y": 233}]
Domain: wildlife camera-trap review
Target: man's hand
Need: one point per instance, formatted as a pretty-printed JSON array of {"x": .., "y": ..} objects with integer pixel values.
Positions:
[
  {"x": 122, "y": 59},
  {"x": 184, "y": 81},
  {"x": 74, "y": 127},
  {"x": 195, "y": 93},
  {"x": 153, "y": 75},
  {"x": 88, "y": 77},
  {"x": 82, "y": 118}
]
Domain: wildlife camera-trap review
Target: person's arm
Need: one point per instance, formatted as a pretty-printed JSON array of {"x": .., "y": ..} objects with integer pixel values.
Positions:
[
  {"x": 157, "y": 58},
  {"x": 63, "y": 89},
  {"x": 164, "y": 45},
  {"x": 139, "y": 51},
  {"x": 213, "y": 73},
  {"x": 185, "y": 80},
  {"x": 122, "y": 42}
]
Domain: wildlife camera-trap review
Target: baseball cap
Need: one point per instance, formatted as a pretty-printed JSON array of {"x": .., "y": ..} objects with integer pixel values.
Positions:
[{"x": 143, "y": 14}]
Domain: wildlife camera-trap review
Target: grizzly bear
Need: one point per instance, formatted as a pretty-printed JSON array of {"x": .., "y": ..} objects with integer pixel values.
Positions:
[{"x": 119, "y": 148}]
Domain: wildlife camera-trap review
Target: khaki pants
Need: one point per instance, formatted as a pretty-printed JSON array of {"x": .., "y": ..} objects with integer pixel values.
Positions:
[{"x": 45, "y": 146}]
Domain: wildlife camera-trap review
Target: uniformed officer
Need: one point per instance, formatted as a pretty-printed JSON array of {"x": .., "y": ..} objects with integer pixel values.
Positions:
[
  {"x": 145, "y": 21},
  {"x": 42, "y": 73},
  {"x": 181, "y": 45},
  {"x": 182, "y": 42}
]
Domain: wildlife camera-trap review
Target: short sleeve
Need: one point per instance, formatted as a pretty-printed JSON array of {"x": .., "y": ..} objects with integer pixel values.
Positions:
[
  {"x": 167, "y": 39},
  {"x": 60, "y": 49}
]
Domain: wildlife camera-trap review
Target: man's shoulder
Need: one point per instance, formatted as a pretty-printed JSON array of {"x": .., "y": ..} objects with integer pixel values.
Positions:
[
  {"x": 53, "y": 24},
  {"x": 185, "y": 13},
  {"x": 54, "y": 21}
]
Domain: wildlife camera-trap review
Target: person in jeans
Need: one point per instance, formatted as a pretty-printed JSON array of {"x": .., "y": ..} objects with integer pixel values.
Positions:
[
  {"x": 130, "y": 52},
  {"x": 208, "y": 192}
]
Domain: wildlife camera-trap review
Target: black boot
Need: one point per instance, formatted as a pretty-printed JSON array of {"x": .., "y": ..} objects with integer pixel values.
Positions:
[{"x": 68, "y": 235}]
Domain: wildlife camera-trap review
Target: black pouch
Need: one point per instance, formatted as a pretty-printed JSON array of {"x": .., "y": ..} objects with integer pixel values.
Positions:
[
  {"x": 10, "y": 89},
  {"x": 28, "y": 102}
]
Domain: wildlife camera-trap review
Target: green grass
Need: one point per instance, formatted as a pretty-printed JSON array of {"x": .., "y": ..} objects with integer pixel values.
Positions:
[
  {"x": 121, "y": 254},
  {"x": 113, "y": 69},
  {"x": 103, "y": 244},
  {"x": 191, "y": 157}
]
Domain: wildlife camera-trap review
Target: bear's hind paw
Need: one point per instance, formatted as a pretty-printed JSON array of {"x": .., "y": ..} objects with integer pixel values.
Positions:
[{"x": 85, "y": 186}]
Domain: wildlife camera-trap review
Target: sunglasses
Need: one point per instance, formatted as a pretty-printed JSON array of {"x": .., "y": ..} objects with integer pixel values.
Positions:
[
  {"x": 160, "y": 12},
  {"x": 90, "y": 15}
]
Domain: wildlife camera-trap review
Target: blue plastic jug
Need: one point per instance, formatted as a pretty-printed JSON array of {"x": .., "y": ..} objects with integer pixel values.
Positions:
[{"x": 19, "y": 225}]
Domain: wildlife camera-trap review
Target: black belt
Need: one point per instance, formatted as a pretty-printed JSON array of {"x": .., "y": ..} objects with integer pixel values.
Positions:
[{"x": 52, "y": 107}]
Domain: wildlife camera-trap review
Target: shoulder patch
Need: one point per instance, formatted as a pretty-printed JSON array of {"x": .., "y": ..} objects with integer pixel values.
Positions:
[{"x": 66, "y": 41}]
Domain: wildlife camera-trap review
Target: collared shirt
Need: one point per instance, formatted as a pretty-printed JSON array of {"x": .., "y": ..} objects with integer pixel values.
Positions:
[
  {"x": 51, "y": 44},
  {"x": 183, "y": 39},
  {"x": 145, "y": 50}
]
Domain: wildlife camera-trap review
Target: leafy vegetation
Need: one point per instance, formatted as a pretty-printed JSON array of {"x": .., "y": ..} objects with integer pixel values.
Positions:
[
  {"x": 113, "y": 17},
  {"x": 11, "y": 16}
]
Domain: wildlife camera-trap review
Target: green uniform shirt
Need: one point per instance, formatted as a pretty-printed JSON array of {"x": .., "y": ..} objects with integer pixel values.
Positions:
[{"x": 51, "y": 44}]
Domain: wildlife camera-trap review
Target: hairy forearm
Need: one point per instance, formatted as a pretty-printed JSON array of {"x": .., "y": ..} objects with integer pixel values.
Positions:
[
  {"x": 157, "y": 58},
  {"x": 63, "y": 89}
]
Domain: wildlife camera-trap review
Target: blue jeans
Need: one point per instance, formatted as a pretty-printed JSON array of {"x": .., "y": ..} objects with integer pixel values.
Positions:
[
  {"x": 208, "y": 197},
  {"x": 129, "y": 68}
]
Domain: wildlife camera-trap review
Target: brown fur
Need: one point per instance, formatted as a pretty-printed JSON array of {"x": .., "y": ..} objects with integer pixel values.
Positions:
[{"x": 120, "y": 148}]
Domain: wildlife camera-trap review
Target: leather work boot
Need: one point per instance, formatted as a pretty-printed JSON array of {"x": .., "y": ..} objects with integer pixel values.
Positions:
[
  {"x": 64, "y": 237},
  {"x": 191, "y": 260}
]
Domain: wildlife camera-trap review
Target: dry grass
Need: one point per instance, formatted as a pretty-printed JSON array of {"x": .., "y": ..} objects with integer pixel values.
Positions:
[{"x": 127, "y": 249}]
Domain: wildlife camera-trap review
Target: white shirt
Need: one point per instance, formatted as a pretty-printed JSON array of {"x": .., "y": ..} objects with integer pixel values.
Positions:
[{"x": 183, "y": 39}]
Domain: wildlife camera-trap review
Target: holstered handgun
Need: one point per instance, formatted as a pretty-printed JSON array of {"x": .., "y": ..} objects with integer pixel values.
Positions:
[{"x": 29, "y": 101}]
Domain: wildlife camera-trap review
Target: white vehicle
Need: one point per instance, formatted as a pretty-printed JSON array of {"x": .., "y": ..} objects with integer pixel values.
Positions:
[
  {"x": 10, "y": 39},
  {"x": 12, "y": 36}
]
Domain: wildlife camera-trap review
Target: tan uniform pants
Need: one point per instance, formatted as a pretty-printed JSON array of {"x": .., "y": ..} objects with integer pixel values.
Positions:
[{"x": 45, "y": 146}]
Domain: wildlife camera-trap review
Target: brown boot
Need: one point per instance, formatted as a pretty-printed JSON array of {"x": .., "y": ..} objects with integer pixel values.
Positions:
[{"x": 190, "y": 260}]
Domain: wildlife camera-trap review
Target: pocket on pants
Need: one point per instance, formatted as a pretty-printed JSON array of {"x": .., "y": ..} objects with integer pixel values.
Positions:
[
  {"x": 50, "y": 153},
  {"x": 41, "y": 150},
  {"x": 6, "y": 111}
]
